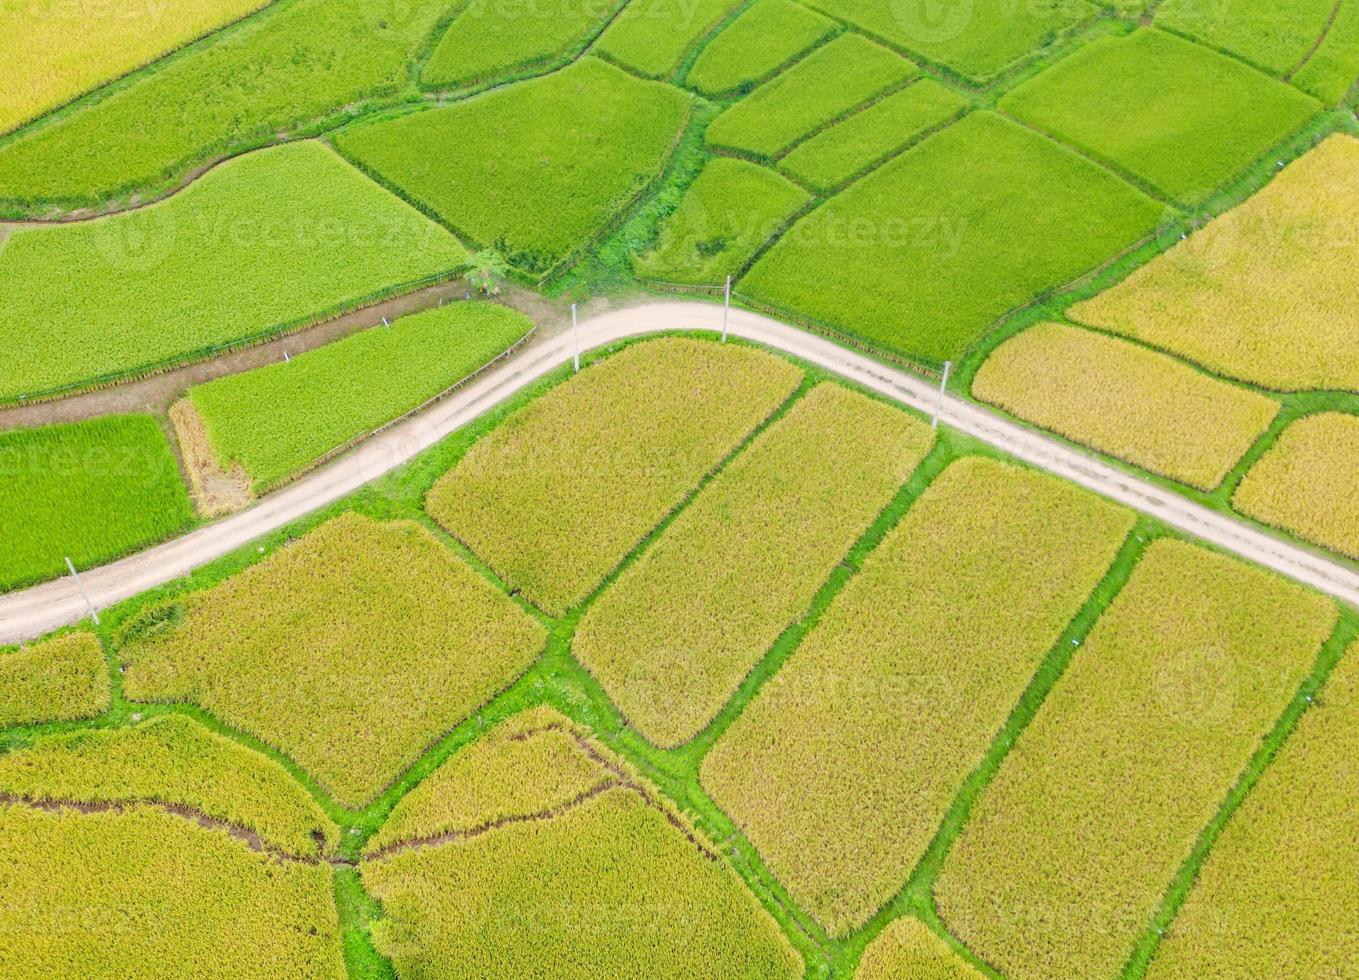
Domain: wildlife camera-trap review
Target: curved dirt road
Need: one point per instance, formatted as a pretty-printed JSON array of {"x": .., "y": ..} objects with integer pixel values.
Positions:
[{"x": 34, "y": 611}]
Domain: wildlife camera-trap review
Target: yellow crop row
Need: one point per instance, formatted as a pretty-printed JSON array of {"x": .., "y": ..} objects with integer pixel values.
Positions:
[
  {"x": 908, "y": 950},
  {"x": 62, "y": 679},
  {"x": 1069, "y": 850}
]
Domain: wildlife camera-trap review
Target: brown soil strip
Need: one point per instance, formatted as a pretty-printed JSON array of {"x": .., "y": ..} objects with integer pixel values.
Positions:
[{"x": 216, "y": 491}]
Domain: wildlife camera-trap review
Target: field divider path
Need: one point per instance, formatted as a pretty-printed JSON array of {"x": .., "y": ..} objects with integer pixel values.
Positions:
[{"x": 42, "y": 608}]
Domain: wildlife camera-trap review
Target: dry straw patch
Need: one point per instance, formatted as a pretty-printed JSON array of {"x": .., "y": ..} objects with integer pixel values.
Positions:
[
  {"x": 1127, "y": 401},
  {"x": 1308, "y": 482},
  {"x": 1276, "y": 897},
  {"x": 908, "y": 950},
  {"x": 62, "y": 679},
  {"x": 673, "y": 637},
  {"x": 921, "y": 657},
  {"x": 1072, "y": 845},
  {"x": 173, "y": 760},
  {"x": 350, "y": 650},
  {"x": 147, "y": 892},
  {"x": 216, "y": 490},
  {"x": 1265, "y": 293},
  {"x": 558, "y": 494}
]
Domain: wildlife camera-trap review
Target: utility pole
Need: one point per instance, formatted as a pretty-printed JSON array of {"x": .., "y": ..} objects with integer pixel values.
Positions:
[
  {"x": 575, "y": 338},
  {"x": 726, "y": 310},
  {"x": 83, "y": 594},
  {"x": 943, "y": 384}
]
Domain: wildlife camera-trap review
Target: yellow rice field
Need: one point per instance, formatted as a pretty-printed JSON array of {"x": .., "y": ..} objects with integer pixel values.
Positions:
[
  {"x": 908, "y": 950},
  {"x": 61, "y": 679}
]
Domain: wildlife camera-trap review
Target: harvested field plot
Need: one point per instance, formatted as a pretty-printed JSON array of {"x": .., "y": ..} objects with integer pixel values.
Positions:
[
  {"x": 763, "y": 39},
  {"x": 98, "y": 894},
  {"x": 1274, "y": 36},
  {"x": 1075, "y": 840},
  {"x": 350, "y": 650},
  {"x": 653, "y": 36},
  {"x": 830, "y": 81},
  {"x": 841, "y": 768},
  {"x": 908, "y": 950},
  {"x": 976, "y": 40},
  {"x": 175, "y": 761},
  {"x": 89, "y": 490},
  {"x": 867, "y": 138},
  {"x": 732, "y": 209},
  {"x": 674, "y": 636},
  {"x": 1276, "y": 897},
  {"x": 1307, "y": 482},
  {"x": 557, "y": 496},
  {"x": 1125, "y": 400},
  {"x": 1265, "y": 293},
  {"x": 502, "y": 170},
  {"x": 268, "y": 239},
  {"x": 290, "y": 66},
  {"x": 609, "y": 888},
  {"x": 274, "y": 421},
  {"x": 975, "y": 221},
  {"x": 57, "y": 680},
  {"x": 1123, "y": 99}
]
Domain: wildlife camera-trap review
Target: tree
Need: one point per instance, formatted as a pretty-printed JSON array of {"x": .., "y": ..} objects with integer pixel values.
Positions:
[{"x": 487, "y": 273}]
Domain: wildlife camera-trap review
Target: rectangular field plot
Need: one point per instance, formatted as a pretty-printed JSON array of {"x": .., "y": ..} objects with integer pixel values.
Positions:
[
  {"x": 674, "y": 636},
  {"x": 908, "y": 949},
  {"x": 763, "y": 39},
  {"x": 830, "y": 81},
  {"x": 1125, "y": 400},
  {"x": 276, "y": 420},
  {"x": 653, "y": 36},
  {"x": 1333, "y": 69},
  {"x": 1276, "y": 897},
  {"x": 976, "y": 40},
  {"x": 268, "y": 239},
  {"x": 350, "y": 650},
  {"x": 1123, "y": 99},
  {"x": 502, "y": 170},
  {"x": 843, "y": 765},
  {"x": 973, "y": 222},
  {"x": 61, "y": 679},
  {"x": 557, "y": 496},
  {"x": 1071, "y": 846},
  {"x": 1307, "y": 482},
  {"x": 866, "y": 138},
  {"x": 90, "y": 491},
  {"x": 1274, "y": 36},
  {"x": 1266, "y": 293},
  {"x": 732, "y": 209}
]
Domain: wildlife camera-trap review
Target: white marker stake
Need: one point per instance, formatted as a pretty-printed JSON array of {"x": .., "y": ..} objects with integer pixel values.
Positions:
[
  {"x": 575, "y": 341},
  {"x": 943, "y": 383},
  {"x": 83, "y": 594},
  {"x": 726, "y": 310},
  {"x": 286, "y": 358},
  {"x": 386, "y": 324}
]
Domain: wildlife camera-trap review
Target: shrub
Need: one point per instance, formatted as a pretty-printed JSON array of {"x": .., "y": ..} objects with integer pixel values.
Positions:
[
  {"x": 501, "y": 169},
  {"x": 350, "y": 650},
  {"x": 558, "y": 495},
  {"x": 674, "y": 636},
  {"x": 652, "y": 36},
  {"x": 765, "y": 37},
  {"x": 61, "y": 679},
  {"x": 276, "y": 420},
  {"x": 1264, "y": 293},
  {"x": 1126, "y": 400},
  {"x": 907, "y": 949},
  {"x": 973, "y": 222},
  {"x": 1073, "y": 843},
  {"x": 1123, "y": 99},
  {"x": 277, "y": 237},
  {"x": 732, "y": 209},
  {"x": 842, "y": 766},
  {"x": 88, "y": 490},
  {"x": 830, "y": 81}
]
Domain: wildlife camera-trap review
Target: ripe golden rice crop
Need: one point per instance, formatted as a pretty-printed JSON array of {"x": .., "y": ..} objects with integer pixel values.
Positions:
[
  {"x": 841, "y": 768},
  {"x": 1307, "y": 482},
  {"x": 147, "y": 892},
  {"x": 58, "y": 680},
  {"x": 673, "y": 637},
  {"x": 1265, "y": 293},
  {"x": 610, "y": 888},
  {"x": 1125, "y": 400},
  {"x": 173, "y": 760},
  {"x": 908, "y": 950},
  {"x": 350, "y": 650},
  {"x": 558, "y": 495},
  {"x": 1276, "y": 897},
  {"x": 1071, "y": 847}
]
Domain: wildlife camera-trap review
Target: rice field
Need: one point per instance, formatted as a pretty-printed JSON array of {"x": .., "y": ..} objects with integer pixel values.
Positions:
[
  {"x": 1306, "y": 482},
  {"x": 556, "y": 498},
  {"x": 1330, "y": 72},
  {"x": 1276, "y": 37},
  {"x": 350, "y": 651},
  {"x": 91, "y": 491},
  {"x": 767, "y": 36},
  {"x": 1125, "y": 400},
  {"x": 1263, "y": 293},
  {"x": 652, "y": 37},
  {"x": 61, "y": 679},
  {"x": 1066, "y": 856},
  {"x": 276, "y": 238},
  {"x": 921, "y": 657},
  {"x": 907, "y": 948}
]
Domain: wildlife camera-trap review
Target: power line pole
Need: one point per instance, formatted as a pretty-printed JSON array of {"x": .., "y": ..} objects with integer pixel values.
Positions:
[
  {"x": 83, "y": 594},
  {"x": 943, "y": 383},
  {"x": 726, "y": 310},
  {"x": 575, "y": 338}
]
